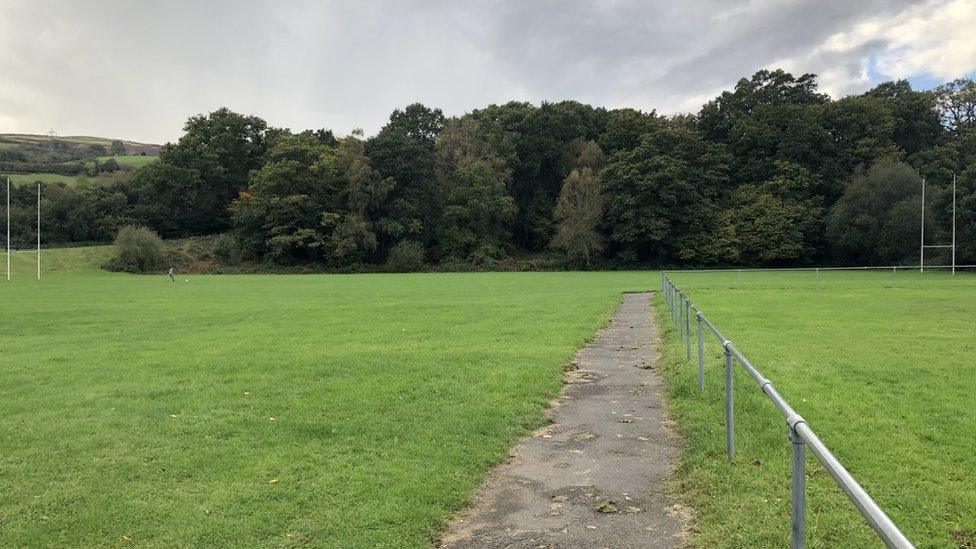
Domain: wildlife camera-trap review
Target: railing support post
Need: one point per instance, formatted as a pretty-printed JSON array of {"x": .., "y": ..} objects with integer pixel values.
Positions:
[
  {"x": 687, "y": 330},
  {"x": 681, "y": 316},
  {"x": 798, "y": 505},
  {"x": 701, "y": 353},
  {"x": 729, "y": 419}
]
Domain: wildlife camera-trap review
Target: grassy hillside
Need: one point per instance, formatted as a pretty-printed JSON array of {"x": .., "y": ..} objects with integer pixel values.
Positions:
[
  {"x": 33, "y": 158},
  {"x": 26, "y": 178},
  {"x": 133, "y": 160},
  {"x": 57, "y": 261},
  {"x": 44, "y": 141}
]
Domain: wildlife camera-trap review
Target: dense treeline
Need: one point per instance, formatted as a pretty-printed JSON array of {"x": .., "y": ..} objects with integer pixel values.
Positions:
[{"x": 770, "y": 173}]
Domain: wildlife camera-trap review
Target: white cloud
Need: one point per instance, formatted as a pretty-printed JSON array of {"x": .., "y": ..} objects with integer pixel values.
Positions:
[{"x": 935, "y": 39}]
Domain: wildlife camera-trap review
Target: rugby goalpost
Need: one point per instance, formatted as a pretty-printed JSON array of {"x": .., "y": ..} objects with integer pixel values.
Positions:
[
  {"x": 921, "y": 255},
  {"x": 38, "y": 230}
]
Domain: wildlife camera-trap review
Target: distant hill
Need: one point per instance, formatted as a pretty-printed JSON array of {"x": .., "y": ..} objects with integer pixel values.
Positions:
[
  {"x": 45, "y": 141},
  {"x": 29, "y": 158}
]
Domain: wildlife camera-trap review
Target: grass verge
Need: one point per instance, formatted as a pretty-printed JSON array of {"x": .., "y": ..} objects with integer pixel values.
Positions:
[{"x": 885, "y": 375}]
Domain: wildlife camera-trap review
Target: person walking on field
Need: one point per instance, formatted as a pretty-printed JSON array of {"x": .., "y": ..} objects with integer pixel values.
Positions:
[{"x": 169, "y": 274}]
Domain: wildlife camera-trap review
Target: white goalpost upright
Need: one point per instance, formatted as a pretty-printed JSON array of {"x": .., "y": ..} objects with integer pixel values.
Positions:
[
  {"x": 38, "y": 230},
  {"x": 8, "y": 228},
  {"x": 921, "y": 255}
]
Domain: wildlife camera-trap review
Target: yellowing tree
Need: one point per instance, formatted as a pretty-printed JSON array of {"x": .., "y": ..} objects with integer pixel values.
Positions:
[{"x": 578, "y": 211}]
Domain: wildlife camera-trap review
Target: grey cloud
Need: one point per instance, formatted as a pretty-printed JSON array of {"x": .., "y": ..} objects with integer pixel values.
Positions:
[{"x": 137, "y": 70}]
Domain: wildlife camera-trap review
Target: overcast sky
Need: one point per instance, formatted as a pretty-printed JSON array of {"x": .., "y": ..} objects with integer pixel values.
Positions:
[{"x": 137, "y": 69}]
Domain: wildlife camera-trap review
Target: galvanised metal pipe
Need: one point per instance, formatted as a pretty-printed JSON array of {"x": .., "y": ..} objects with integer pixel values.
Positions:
[
  {"x": 681, "y": 317},
  {"x": 876, "y": 517},
  {"x": 701, "y": 353},
  {"x": 798, "y": 500},
  {"x": 729, "y": 419},
  {"x": 687, "y": 329}
]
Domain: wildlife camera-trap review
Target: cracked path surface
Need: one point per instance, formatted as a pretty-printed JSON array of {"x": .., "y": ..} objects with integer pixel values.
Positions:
[{"x": 609, "y": 442}]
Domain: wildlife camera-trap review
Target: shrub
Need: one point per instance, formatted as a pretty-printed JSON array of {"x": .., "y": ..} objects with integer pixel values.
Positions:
[
  {"x": 139, "y": 250},
  {"x": 226, "y": 249},
  {"x": 406, "y": 256}
]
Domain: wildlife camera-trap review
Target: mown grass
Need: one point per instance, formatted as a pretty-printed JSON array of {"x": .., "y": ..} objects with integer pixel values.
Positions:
[
  {"x": 58, "y": 261},
  {"x": 886, "y": 376},
  {"x": 262, "y": 410},
  {"x": 134, "y": 160}
]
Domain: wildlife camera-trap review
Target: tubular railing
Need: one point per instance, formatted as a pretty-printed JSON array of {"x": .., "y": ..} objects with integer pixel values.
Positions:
[{"x": 801, "y": 436}]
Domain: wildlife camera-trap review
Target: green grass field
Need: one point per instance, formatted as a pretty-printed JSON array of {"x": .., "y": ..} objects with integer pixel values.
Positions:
[
  {"x": 362, "y": 410},
  {"x": 21, "y": 178},
  {"x": 134, "y": 160},
  {"x": 353, "y": 410},
  {"x": 886, "y": 376}
]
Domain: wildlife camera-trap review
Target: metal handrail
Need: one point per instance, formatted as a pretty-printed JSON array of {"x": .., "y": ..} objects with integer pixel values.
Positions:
[{"x": 800, "y": 433}]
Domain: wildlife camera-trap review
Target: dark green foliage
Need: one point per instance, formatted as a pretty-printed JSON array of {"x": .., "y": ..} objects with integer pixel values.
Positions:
[
  {"x": 876, "y": 221},
  {"x": 138, "y": 250},
  {"x": 226, "y": 249},
  {"x": 916, "y": 120},
  {"x": 661, "y": 197},
  {"x": 747, "y": 181},
  {"x": 109, "y": 166},
  {"x": 405, "y": 257},
  {"x": 219, "y": 150},
  {"x": 404, "y": 151}
]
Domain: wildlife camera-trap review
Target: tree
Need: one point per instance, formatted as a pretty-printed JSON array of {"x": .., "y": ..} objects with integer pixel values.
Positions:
[
  {"x": 861, "y": 130},
  {"x": 578, "y": 212},
  {"x": 877, "y": 219},
  {"x": 312, "y": 202},
  {"x": 117, "y": 148},
  {"x": 280, "y": 215},
  {"x": 625, "y": 127},
  {"x": 916, "y": 120},
  {"x": 771, "y": 117},
  {"x": 109, "y": 166},
  {"x": 956, "y": 103},
  {"x": 222, "y": 148},
  {"x": 778, "y": 222},
  {"x": 171, "y": 199},
  {"x": 661, "y": 197},
  {"x": 478, "y": 212},
  {"x": 404, "y": 151},
  {"x": 139, "y": 250},
  {"x": 361, "y": 200},
  {"x": 474, "y": 180},
  {"x": 98, "y": 149}
]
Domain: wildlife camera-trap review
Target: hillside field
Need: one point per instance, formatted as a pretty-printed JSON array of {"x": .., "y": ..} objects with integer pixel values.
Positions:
[
  {"x": 134, "y": 160},
  {"x": 886, "y": 377}
]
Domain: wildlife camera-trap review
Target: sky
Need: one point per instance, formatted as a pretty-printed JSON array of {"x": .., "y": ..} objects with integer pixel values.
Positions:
[{"x": 138, "y": 69}]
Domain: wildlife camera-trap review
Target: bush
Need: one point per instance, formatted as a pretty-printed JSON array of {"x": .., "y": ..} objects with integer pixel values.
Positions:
[
  {"x": 406, "y": 256},
  {"x": 226, "y": 249},
  {"x": 139, "y": 250}
]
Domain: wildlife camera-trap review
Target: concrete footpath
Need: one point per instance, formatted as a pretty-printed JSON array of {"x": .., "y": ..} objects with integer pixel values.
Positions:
[{"x": 597, "y": 476}]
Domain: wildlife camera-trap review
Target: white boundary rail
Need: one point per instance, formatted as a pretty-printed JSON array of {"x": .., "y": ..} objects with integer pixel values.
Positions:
[{"x": 801, "y": 436}]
